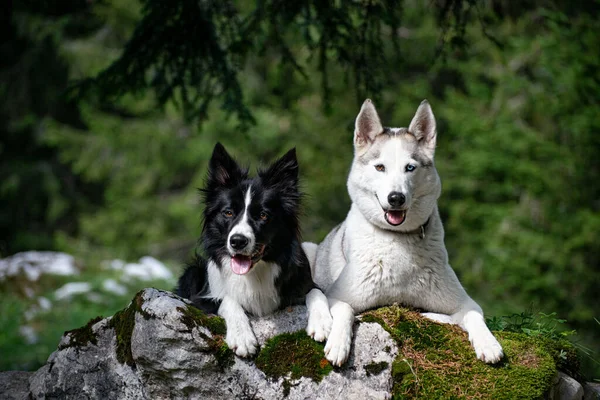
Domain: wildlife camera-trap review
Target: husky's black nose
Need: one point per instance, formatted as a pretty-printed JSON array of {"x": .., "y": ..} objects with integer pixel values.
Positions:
[
  {"x": 238, "y": 242},
  {"x": 396, "y": 199}
]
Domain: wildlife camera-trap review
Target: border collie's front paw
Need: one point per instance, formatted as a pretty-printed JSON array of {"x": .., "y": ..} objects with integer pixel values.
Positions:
[
  {"x": 319, "y": 324},
  {"x": 244, "y": 343},
  {"x": 487, "y": 348},
  {"x": 337, "y": 348}
]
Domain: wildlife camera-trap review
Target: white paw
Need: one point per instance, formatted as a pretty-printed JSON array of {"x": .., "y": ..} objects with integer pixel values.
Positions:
[
  {"x": 487, "y": 348},
  {"x": 319, "y": 325},
  {"x": 242, "y": 342},
  {"x": 337, "y": 348},
  {"x": 441, "y": 318}
]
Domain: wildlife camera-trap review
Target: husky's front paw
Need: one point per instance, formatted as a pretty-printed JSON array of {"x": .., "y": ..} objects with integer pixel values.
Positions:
[
  {"x": 319, "y": 324},
  {"x": 241, "y": 341},
  {"x": 337, "y": 348},
  {"x": 487, "y": 348}
]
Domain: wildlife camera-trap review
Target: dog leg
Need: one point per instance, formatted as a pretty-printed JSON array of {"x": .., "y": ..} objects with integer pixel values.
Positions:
[
  {"x": 441, "y": 318},
  {"x": 338, "y": 345},
  {"x": 319, "y": 318},
  {"x": 470, "y": 318},
  {"x": 240, "y": 337}
]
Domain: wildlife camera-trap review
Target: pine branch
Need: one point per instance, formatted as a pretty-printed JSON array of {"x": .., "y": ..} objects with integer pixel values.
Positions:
[{"x": 191, "y": 51}]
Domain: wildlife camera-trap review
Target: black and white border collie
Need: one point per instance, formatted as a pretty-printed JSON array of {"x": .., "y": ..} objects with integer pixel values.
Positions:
[{"x": 255, "y": 263}]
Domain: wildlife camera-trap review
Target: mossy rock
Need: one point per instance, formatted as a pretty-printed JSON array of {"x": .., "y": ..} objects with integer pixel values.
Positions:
[
  {"x": 123, "y": 322},
  {"x": 292, "y": 356},
  {"x": 82, "y": 336},
  {"x": 193, "y": 317},
  {"x": 436, "y": 361}
]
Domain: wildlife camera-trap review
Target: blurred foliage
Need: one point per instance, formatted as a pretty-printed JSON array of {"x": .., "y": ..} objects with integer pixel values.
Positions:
[
  {"x": 514, "y": 87},
  {"x": 190, "y": 51}
]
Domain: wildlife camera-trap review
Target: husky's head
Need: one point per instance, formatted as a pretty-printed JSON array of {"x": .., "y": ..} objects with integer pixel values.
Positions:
[
  {"x": 393, "y": 180},
  {"x": 250, "y": 219}
]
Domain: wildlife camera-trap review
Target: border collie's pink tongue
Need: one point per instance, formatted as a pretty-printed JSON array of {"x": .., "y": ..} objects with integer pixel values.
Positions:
[
  {"x": 395, "y": 217},
  {"x": 241, "y": 264}
]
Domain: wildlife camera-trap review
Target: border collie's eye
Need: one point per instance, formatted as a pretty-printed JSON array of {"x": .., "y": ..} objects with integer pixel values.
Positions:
[
  {"x": 264, "y": 216},
  {"x": 380, "y": 167},
  {"x": 228, "y": 213},
  {"x": 410, "y": 167}
]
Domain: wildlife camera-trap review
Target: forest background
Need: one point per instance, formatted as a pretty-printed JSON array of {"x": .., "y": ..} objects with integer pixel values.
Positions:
[{"x": 111, "y": 168}]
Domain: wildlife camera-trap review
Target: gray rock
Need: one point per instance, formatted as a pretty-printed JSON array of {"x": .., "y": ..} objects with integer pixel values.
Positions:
[
  {"x": 591, "y": 391},
  {"x": 565, "y": 388},
  {"x": 170, "y": 355},
  {"x": 14, "y": 385}
]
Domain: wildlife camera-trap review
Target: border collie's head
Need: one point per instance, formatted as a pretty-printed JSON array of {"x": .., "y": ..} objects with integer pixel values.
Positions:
[{"x": 250, "y": 219}]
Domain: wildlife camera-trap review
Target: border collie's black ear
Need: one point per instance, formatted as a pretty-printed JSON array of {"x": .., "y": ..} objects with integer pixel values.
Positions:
[
  {"x": 282, "y": 172},
  {"x": 222, "y": 169}
]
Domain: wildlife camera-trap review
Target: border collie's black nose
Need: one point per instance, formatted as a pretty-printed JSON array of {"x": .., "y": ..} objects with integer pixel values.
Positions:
[
  {"x": 238, "y": 242},
  {"x": 396, "y": 199}
]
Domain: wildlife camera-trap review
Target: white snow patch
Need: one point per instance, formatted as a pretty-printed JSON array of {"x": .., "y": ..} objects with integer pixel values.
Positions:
[
  {"x": 95, "y": 297},
  {"x": 44, "y": 303},
  {"x": 29, "y": 292},
  {"x": 29, "y": 334},
  {"x": 112, "y": 286},
  {"x": 147, "y": 269},
  {"x": 30, "y": 313},
  {"x": 35, "y": 263},
  {"x": 70, "y": 289},
  {"x": 116, "y": 264}
]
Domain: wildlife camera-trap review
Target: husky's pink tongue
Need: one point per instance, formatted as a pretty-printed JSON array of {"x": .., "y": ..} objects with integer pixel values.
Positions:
[
  {"x": 241, "y": 264},
  {"x": 395, "y": 217}
]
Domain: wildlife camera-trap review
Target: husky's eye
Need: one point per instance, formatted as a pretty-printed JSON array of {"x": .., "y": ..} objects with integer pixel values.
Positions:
[
  {"x": 380, "y": 167},
  {"x": 264, "y": 216},
  {"x": 410, "y": 167},
  {"x": 228, "y": 213}
]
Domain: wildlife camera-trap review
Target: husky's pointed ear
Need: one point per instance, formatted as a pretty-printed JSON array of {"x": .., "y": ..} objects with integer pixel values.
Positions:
[
  {"x": 283, "y": 172},
  {"x": 367, "y": 125},
  {"x": 222, "y": 168},
  {"x": 423, "y": 128}
]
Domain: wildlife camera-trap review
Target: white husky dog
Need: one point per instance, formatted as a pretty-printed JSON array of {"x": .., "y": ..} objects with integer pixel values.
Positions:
[{"x": 391, "y": 247}]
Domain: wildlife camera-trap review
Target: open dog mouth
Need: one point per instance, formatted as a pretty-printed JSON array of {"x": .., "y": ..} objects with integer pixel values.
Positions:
[
  {"x": 241, "y": 264},
  {"x": 395, "y": 217},
  {"x": 392, "y": 217}
]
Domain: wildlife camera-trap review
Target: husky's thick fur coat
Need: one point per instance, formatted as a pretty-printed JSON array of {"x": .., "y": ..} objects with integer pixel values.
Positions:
[
  {"x": 391, "y": 247},
  {"x": 255, "y": 263}
]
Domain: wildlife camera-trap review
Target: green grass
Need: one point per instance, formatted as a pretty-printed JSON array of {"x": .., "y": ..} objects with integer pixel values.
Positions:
[{"x": 65, "y": 315}]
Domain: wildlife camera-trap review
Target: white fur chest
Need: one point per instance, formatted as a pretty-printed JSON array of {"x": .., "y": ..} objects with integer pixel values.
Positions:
[
  {"x": 255, "y": 291},
  {"x": 386, "y": 267}
]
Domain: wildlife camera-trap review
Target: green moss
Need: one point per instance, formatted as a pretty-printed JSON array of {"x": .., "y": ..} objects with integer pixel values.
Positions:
[
  {"x": 437, "y": 361},
  {"x": 193, "y": 317},
  {"x": 82, "y": 336},
  {"x": 375, "y": 368},
  {"x": 123, "y": 323},
  {"x": 291, "y": 356}
]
